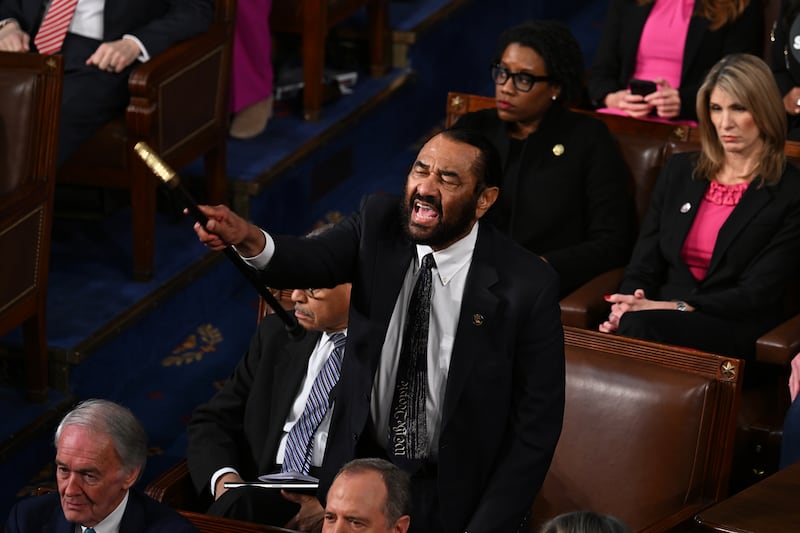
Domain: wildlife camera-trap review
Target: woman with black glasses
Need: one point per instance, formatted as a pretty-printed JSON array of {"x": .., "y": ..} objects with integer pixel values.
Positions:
[{"x": 564, "y": 194}]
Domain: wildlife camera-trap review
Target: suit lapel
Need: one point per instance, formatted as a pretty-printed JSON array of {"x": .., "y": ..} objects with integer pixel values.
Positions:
[
  {"x": 685, "y": 210},
  {"x": 697, "y": 28},
  {"x": 133, "y": 520},
  {"x": 753, "y": 201},
  {"x": 478, "y": 310}
]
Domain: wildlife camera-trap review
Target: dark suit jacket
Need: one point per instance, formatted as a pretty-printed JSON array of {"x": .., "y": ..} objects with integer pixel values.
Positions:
[
  {"x": 573, "y": 207},
  {"x": 242, "y": 424},
  {"x": 43, "y": 514},
  {"x": 785, "y": 65},
  {"x": 756, "y": 253},
  {"x": 157, "y": 23},
  {"x": 615, "y": 59},
  {"x": 504, "y": 397},
  {"x": 92, "y": 97}
]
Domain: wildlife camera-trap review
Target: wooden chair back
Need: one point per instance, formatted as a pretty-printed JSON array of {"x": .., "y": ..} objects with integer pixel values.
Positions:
[
  {"x": 179, "y": 107},
  {"x": 30, "y": 100},
  {"x": 313, "y": 19},
  {"x": 648, "y": 431}
]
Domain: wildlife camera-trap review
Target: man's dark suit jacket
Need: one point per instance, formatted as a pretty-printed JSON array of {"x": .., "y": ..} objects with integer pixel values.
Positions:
[
  {"x": 241, "y": 425},
  {"x": 504, "y": 398},
  {"x": 757, "y": 250},
  {"x": 157, "y": 23},
  {"x": 92, "y": 97},
  {"x": 615, "y": 59},
  {"x": 572, "y": 206},
  {"x": 43, "y": 514}
]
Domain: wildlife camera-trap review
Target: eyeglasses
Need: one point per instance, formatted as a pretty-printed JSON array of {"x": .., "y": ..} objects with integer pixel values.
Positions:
[
  {"x": 522, "y": 80},
  {"x": 313, "y": 293}
]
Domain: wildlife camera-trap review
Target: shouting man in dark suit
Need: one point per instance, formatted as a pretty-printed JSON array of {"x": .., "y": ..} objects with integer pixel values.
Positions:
[
  {"x": 105, "y": 39},
  {"x": 455, "y": 357},
  {"x": 244, "y": 430},
  {"x": 101, "y": 450}
]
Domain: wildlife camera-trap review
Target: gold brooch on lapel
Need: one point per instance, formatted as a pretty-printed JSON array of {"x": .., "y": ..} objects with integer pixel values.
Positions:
[
  {"x": 558, "y": 149},
  {"x": 477, "y": 319}
]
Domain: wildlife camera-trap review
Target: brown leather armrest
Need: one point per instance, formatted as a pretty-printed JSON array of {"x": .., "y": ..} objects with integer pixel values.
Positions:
[
  {"x": 174, "y": 488},
  {"x": 585, "y": 307},
  {"x": 778, "y": 346}
]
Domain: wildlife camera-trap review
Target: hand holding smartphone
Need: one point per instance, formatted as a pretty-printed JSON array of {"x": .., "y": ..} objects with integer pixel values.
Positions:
[{"x": 642, "y": 87}]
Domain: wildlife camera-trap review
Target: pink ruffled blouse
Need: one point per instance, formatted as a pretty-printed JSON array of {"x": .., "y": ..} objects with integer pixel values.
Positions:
[{"x": 717, "y": 204}]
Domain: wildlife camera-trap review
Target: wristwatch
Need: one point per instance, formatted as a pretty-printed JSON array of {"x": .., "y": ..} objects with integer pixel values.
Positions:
[{"x": 680, "y": 306}]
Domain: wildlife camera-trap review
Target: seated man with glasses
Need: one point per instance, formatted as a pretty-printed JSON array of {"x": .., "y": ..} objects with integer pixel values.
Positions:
[
  {"x": 564, "y": 194},
  {"x": 273, "y": 414}
]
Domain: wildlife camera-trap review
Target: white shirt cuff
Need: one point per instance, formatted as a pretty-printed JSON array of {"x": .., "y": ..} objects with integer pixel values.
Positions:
[
  {"x": 219, "y": 473},
  {"x": 144, "y": 57},
  {"x": 260, "y": 261}
]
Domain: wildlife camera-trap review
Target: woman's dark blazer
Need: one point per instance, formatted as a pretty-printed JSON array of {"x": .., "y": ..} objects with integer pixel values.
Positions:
[
  {"x": 615, "y": 59},
  {"x": 756, "y": 253},
  {"x": 565, "y": 196}
]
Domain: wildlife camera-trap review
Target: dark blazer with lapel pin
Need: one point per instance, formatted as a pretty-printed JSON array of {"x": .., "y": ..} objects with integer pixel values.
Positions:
[
  {"x": 615, "y": 59},
  {"x": 43, "y": 514},
  {"x": 504, "y": 397},
  {"x": 565, "y": 194},
  {"x": 757, "y": 250},
  {"x": 242, "y": 424}
]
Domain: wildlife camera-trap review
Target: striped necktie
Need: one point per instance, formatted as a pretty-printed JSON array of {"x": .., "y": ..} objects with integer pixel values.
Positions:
[
  {"x": 299, "y": 444},
  {"x": 54, "y": 27}
]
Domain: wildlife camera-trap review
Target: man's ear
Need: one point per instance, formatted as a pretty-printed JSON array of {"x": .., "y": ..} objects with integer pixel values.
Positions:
[
  {"x": 401, "y": 526},
  {"x": 486, "y": 199},
  {"x": 129, "y": 478}
]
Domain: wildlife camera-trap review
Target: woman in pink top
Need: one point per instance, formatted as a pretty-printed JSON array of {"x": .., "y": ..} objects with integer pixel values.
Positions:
[
  {"x": 721, "y": 238},
  {"x": 672, "y": 43}
]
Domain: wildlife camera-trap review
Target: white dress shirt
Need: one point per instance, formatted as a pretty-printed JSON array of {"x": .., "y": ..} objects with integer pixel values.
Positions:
[
  {"x": 452, "y": 266},
  {"x": 319, "y": 356},
  {"x": 111, "y": 523}
]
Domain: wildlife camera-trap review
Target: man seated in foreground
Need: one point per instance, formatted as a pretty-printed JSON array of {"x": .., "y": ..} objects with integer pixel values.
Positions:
[
  {"x": 248, "y": 428},
  {"x": 369, "y": 496},
  {"x": 101, "y": 450}
]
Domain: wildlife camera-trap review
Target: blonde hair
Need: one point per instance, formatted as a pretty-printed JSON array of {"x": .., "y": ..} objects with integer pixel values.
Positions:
[
  {"x": 718, "y": 12},
  {"x": 748, "y": 80}
]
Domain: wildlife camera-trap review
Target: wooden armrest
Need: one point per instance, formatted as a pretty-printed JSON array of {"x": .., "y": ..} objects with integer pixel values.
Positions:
[
  {"x": 778, "y": 346},
  {"x": 174, "y": 488},
  {"x": 216, "y": 524},
  {"x": 145, "y": 78},
  {"x": 585, "y": 307},
  {"x": 181, "y": 93}
]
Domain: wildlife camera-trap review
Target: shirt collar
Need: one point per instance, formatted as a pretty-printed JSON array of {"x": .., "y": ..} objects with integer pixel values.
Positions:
[
  {"x": 111, "y": 523},
  {"x": 453, "y": 258}
]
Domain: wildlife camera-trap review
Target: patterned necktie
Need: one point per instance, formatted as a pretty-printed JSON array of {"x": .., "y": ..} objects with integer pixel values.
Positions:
[
  {"x": 54, "y": 27},
  {"x": 299, "y": 444},
  {"x": 408, "y": 435}
]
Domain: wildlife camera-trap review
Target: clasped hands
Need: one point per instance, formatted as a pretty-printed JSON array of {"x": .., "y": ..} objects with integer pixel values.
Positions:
[
  {"x": 666, "y": 101},
  {"x": 113, "y": 56},
  {"x": 624, "y": 303}
]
